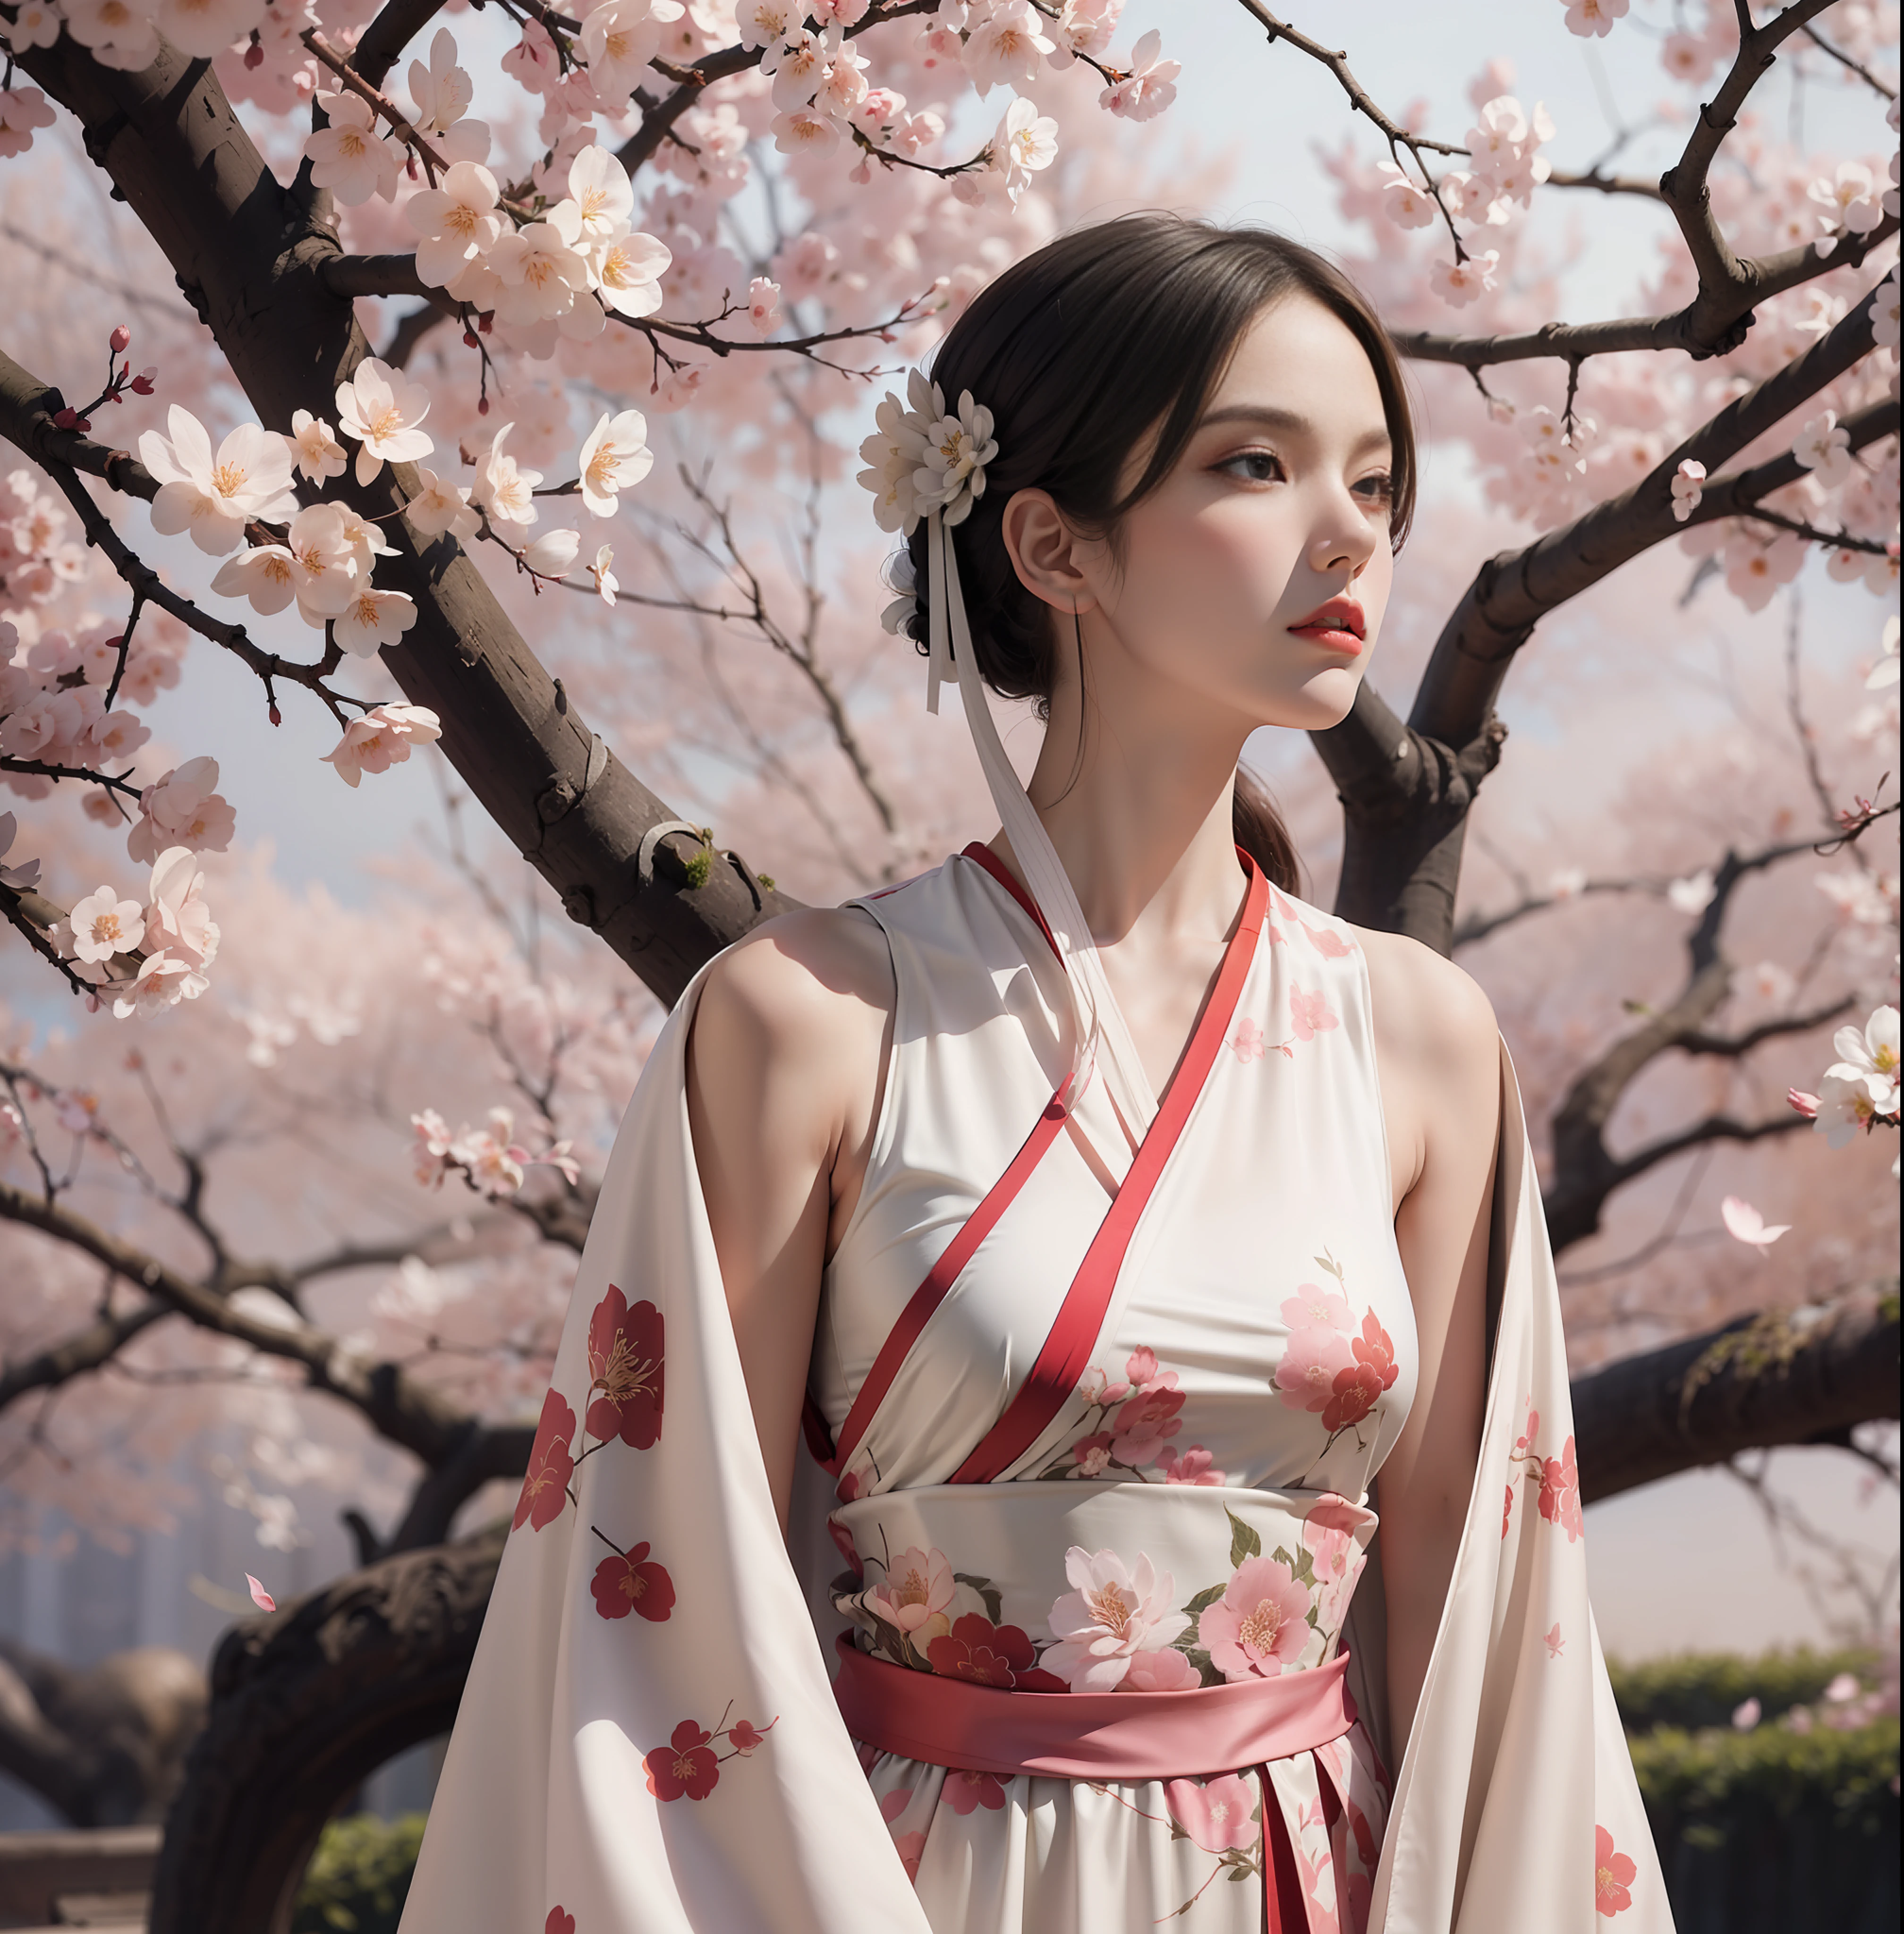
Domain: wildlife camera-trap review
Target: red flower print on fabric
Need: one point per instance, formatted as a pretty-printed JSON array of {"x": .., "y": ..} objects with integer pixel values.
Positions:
[
  {"x": 631, "y": 1582},
  {"x": 990, "y": 1655},
  {"x": 1357, "y": 1390},
  {"x": 1614, "y": 1874},
  {"x": 963, "y": 1791},
  {"x": 1560, "y": 1492},
  {"x": 558, "y": 1923},
  {"x": 625, "y": 1364},
  {"x": 545, "y": 1488},
  {"x": 688, "y": 1764}
]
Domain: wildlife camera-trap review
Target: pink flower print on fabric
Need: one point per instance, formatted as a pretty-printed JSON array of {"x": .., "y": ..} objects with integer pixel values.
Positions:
[
  {"x": 1166, "y": 1669},
  {"x": 1260, "y": 1624},
  {"x": 916, "y": 1589},
  {"x": 1358, "y": 1389},
  {"x": 965, "y": 1790},
  {"x": 1312, "y": 1361},
  {"x": 1195, "y": 1466},
  {"x": 1308, "y": 1014},
  {"x": 1554, "y": 1643},
  {"x": 1313, "y": 1307},
  {"x": 1093, "y": 1454},
  {"x": 1115, "y": 1612},
  {"x": 1335, "y": 1556},
  {"x": 1560, "y": 1492},
  {"x": 1614, "y": 1874},
  {"x": 910, "y": 1846},
  {"x": 1249, "y": 1042},
  {"x": 1138, "y": 1430},
  {"x": 1219, "y": 1816}
]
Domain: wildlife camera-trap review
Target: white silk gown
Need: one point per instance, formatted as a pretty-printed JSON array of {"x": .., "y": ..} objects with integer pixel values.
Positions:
[{"x": 1120, "y": 1452}]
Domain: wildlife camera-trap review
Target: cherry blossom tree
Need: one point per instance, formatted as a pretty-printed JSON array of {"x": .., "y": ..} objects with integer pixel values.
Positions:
[{"x": 616, "y": 341}]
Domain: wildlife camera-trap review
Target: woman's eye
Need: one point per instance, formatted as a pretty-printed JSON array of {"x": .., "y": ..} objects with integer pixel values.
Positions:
[
  {"x": 1379, "y": 488},
  {"x": 1259, "y": 466}
]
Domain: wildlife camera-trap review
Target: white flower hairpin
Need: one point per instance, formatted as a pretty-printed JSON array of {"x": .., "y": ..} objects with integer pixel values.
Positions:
[{"x": 926, "y": 461}]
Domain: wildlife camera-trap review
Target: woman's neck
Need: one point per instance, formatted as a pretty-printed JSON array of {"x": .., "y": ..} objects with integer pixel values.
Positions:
[{"x": 1141, "y": 817}]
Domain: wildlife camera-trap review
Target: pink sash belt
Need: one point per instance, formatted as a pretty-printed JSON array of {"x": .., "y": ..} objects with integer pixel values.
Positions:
[{"x": 1210, "y": 1729}]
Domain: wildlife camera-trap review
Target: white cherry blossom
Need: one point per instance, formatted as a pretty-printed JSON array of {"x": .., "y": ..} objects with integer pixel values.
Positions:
[
  {"x": 382, "y": 738},
  {"x": 326, "y": 560},
  {"x": 204, "y": 28},
  {"x": 606, "y": 583},
  {"x": 372, "y": 619},
  {"x": 104, "y": 925},
  {"x": 539, "y": 269},
  {"x": 503, "y": 490},
  {"x": 1005, "y": 47},
  {"x": 163, "y": 980},
  {"x": 381, "y": 407},
  {"x": 620, "y": 37},
  {"x": 1688, "y": 486},
  {"x": 799, "y": 64},
  {"x": 1885, "y": 312},
  {"x": 183, "y": 808},
  {"x": 1150, "y": 85},
  {"x": 1404, "y": 200},
  {"x": 177, "y": 916},
  {"x": 615, "y": 457},
  {"x": 1025, "y": 141},
  {"x": 1754, "y": 569},
  {"x": 1845, "y": 1107},
  {"x": 765, "y": 22},
  {"x": 443, "y": 91},
  {"x": 1460, "y": 283},
  {"x": 314, "y": 448},
  {"x": 215, "y": 497},
  {"x": 1083, "y": 27},
  {"x": 456, "y": 223},
  {"x": 805, "y": 132},
  {"x": 1869, "y": 1054},
  {"x": 349, "y": 157},
  {"x": 1114, "y": 1612},
  {"x": 959, "y": 444},
  {"x": 440, "y": 506},
  {"x": 117, "y": 33},
  {"x": 266, "y": 574},
  {"x": 552, "y": 553},
  {"x": 1850, "y": 198},
  {"x": 599, "y": 192},
  {"x": 1824, "y": 450},
  {"x": 895, "y": 451}
]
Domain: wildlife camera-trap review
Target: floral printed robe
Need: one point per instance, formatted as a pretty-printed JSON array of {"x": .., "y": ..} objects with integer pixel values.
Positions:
[{"x": 649, "y": 1741}]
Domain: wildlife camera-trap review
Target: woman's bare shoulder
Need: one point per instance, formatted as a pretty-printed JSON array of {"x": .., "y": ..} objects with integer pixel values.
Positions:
[
  {"x": 1426, "y": 1010},
  {"x": 806, "y": 987}
]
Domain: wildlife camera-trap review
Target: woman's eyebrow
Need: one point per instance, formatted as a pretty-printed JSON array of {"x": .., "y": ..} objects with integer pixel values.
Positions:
[{"x": 1290, "y": 421}]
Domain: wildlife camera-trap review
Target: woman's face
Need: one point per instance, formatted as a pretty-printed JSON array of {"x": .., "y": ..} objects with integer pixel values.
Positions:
[{"x": 1254, "y": 579}]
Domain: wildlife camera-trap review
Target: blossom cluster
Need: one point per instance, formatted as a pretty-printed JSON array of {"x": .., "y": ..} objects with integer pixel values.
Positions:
[
  {"x": 489, "y": 1160},
  {"x": 147, "y": 958},
  {"x": 1860, "y": 1091}
]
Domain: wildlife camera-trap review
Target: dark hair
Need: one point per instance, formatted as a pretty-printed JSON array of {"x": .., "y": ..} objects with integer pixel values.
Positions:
[{"x": 1079, "y": 351}]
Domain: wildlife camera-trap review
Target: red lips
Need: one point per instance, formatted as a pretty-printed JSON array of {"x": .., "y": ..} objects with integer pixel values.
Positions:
[{"x": 1338, "y": 615}]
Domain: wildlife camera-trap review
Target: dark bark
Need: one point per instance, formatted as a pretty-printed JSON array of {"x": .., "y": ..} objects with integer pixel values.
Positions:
[
  {"x": 305, "y": 1703},
  {"x": 1781, "y": 1377}
]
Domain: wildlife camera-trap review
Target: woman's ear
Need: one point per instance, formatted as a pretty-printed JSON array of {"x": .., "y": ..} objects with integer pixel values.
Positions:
[{"x": 1046, "y": 553}]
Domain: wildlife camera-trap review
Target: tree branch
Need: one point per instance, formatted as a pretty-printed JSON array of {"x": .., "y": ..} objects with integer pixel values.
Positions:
[
  {"x": 1784, "y": 1376},
  {"x": 395, "y": 1405},
  {"x": 85, "y": 1351}
]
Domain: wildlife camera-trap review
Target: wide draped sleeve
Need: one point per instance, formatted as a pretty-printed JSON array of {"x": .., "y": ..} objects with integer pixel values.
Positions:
[
  {"x": 649, "y": 1741},
  {"x": 1516, "y": 1806}
]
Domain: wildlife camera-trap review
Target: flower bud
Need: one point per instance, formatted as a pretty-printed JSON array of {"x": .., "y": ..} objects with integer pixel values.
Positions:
[
  {"x": 141, "y": 383},
  {"x": 121, "y": 340},
  {"x": 254, "y": 53}
]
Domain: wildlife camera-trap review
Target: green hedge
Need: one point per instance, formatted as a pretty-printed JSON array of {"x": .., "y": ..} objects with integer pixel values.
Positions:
[
  {"x": 1695, "y": 1689},
  {"x": 358, "y": 1878},
  {"x": 1775, "y": 1830}
]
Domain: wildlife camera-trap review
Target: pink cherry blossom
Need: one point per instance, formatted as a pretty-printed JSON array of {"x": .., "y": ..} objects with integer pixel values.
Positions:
[
  {"x": 1115, "y": 1611},
  {"x": 382, "y": 738},
  {"x": 1219, "y": 1814},
  {"x": 1744, "y": 1223},
  {"x": 1312, "y": 1360},
  {"x": 1195, "y": 1466},
  {"x": 1313, "y": 1307},
  {"x": 1150, "y": 85},
  {"x": 1308, "y": 1014},
  {"x": 915, "y": 1591},
  {"x": 1260, "y": 1624},
  {"x": 261, "y": 1597},
  {"x": 104, "y": 925}
]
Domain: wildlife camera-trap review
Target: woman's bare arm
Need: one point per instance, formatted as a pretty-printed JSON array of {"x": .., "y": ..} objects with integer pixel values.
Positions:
[
  {"x": 1439, "y": 1048},
  {"x": 784, "y": 1061}
]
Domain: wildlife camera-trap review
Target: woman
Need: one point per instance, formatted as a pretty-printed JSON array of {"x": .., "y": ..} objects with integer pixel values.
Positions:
[{"x": 1113, "y": 1217}]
